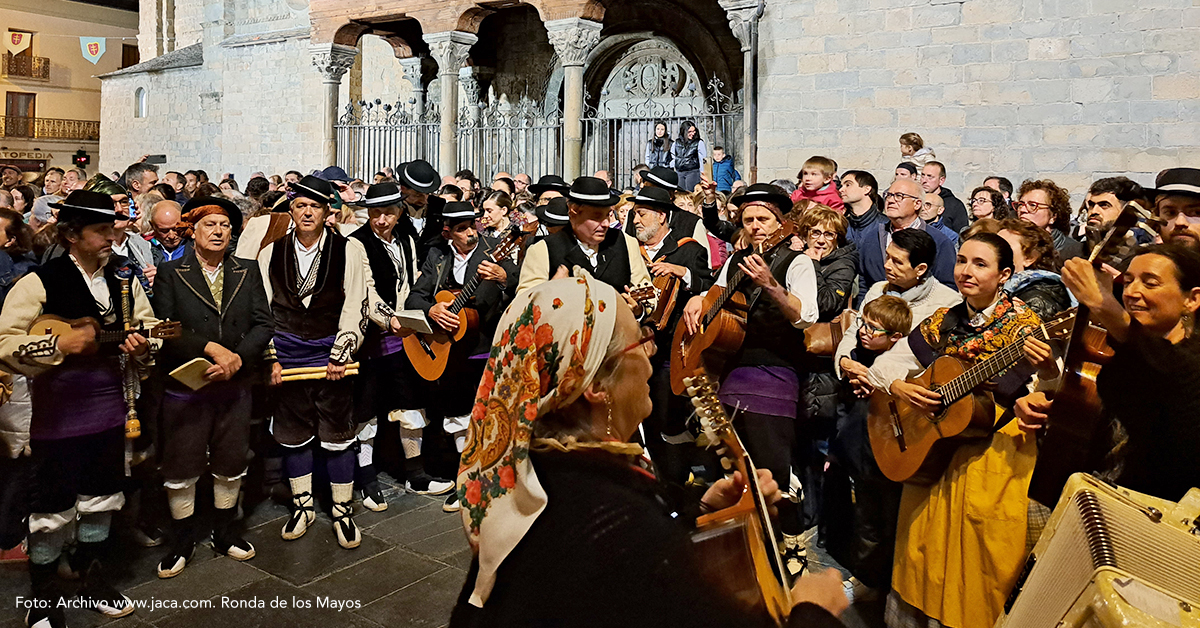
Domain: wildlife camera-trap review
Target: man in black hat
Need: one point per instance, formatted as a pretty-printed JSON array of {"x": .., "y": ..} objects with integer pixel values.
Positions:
[
  {"x": 549, "y": 187},
  {"x": 418, "y": 182},
  {"x": 319, "y": 287},
  {"x": 453, "y": 266},
  {"x": 677, "y": 255},
  {"x": 1177, "y": 202},
  {"x": 780, "y": 286},
  {"x": 682, "y": 222},
  {"x": 220, "y": 301},
  {"x": 386, "y": 379},
  {"x": 77, "y": 431},
  {"x": 608, "y": 254},
  {"x": 552, "y": 216}
]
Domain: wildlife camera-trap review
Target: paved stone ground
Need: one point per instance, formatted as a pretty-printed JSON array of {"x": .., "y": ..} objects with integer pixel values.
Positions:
[{"x": 407, "y": 572}]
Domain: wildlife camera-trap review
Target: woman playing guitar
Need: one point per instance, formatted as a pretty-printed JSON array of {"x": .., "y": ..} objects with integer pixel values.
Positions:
[
  {"x": 762, "y": 378},
  {"x": 961, "y": 541}
]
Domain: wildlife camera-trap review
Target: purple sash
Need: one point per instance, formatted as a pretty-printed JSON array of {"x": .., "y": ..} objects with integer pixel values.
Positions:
[
  {"x": 77, "y": 399},
  {"x": 293, "y": 351}
]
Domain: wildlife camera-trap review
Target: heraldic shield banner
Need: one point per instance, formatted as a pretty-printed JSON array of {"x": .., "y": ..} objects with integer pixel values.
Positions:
[
  {"x": 17, "y": 42},
  {"x": 92, "y": 47}
]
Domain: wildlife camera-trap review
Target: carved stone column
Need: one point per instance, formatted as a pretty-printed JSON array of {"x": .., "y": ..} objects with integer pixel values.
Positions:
[
  {"x": 741, "y": 16},
  {"x": 450, "y": 49},
  {"x": 332, "y": 61},
  {"x": 412, "y": 73},
  {"x": 475, "y": 81},
  {"x": 573, "y": 39}
]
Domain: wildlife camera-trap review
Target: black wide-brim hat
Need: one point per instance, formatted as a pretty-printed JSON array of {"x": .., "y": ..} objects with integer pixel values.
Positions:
[
  {"x": 663, "y": 178},
  {"x": 1184, "y": 181},
  {"x": 90, "y": 208},
  {"x": 592, "y": 191},
  {"x": 385, "y": 194},
  {"x": 549, "y": 182},
  {"x": 418, "y": 175},
  {"x": 654, "y": 198},
  {"x": 554, "y": 213},
  {"x": 317, "y": 189},
  {"x": 765, "y": 193},
  {"x": 231, "y": 209},
  {"x": 458, "y": 211}
]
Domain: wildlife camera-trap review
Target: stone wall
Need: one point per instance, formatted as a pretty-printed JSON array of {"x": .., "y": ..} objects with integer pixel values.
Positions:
[{"x": 1021, "y": 88}]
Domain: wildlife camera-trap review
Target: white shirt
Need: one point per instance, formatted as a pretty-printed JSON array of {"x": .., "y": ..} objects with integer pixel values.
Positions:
[
  {"x": 801, "y": 282},
  {"x": 305, "y": 257},
  {"x": 121, "y": 249},
  {"x": 461, "y": 261},
  {"x": 98, "y": 287},
  {"x": 212, "y": 275},
  {"x": 589, "y": 252}
]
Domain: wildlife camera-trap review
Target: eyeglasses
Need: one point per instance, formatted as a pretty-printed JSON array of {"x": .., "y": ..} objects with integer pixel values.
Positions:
[
  {"x": 899, "y": 196},
  {"x": 873, "y": 330},
  {"x": 980, "y": 201},
  {"x": 822, "y": 235},
  {"x": 647, "y": 338},
  {"x": 1031, "y": 206}
]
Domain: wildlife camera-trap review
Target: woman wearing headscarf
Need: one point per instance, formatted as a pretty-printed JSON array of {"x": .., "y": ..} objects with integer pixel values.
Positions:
[{"x": 567, "y": 529}]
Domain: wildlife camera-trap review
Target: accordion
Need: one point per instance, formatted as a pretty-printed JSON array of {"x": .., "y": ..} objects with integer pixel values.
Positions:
[{"x": 1111, "y": 557}]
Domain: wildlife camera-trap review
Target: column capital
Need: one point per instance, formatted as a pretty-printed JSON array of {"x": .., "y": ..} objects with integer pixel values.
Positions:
[
  {"x": 450, "y": 49},
  {"x": 412, "y": 71},
  {"x": 474, "y": 80},
  {"x": 740, "y": 13},
  {"x": 573, "y": 39},
  {"x": 333, "y": 60}
]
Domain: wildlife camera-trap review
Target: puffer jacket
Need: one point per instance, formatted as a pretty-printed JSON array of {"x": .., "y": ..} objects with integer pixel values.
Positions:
[
  {"x": 836, "y": 275},
  {"x": 1043, "y": 291}
]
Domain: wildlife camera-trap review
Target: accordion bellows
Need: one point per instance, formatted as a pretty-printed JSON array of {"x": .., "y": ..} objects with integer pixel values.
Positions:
[{"x": 1111, "y": 557}]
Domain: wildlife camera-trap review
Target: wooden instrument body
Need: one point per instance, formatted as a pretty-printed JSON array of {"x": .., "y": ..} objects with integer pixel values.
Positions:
[
  {"x": 915, "y": 446},
  {"x": 707, "y": 350},
  {"x": 667, "y": 288},
  {"x": 736, "y": 545},
  {"x": 51, "y": 325},
  {"x": 430, "y": 353}
]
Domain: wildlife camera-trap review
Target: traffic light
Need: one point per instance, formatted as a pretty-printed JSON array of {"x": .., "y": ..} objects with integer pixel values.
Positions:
[{"x": 81, "y": 159}]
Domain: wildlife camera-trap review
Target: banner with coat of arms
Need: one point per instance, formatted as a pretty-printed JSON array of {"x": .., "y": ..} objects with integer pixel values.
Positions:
[
  {"x": 17, "y": 42},
  {"x": 92, "y": 47}
]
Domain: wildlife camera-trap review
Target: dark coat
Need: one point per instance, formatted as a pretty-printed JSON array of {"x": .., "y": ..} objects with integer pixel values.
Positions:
[
  {"x": 490, "y": 298},
  {"x": 836, "y": 274},
  {"x": 242, "y": 324},
  {"x": 1045, "y": 295},
  {"x": 383, "y": 271},
  {"x": 864, "y": 224},
  {"x": 871, "y": 255},
  {"x": 691, "y": 256},
  {"x": 722, "y": 229},
  {"x": 955, "y": 215}
]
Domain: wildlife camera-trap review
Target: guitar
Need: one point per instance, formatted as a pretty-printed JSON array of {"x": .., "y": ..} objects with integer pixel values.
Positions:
[
  {"x": 915, "y": 446},
  {"x": 722, "y": 325},
  {"x": 51, "y": 325},
  {"x": 1076, "y": 410},
  {"x": 429, "y": 353},
  {"x": 646, "y": 295},
  {"x": 667, "y": 288},
  {"x": 737, "y": 544}
]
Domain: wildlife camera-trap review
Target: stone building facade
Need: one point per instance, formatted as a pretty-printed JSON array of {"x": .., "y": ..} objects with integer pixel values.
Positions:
[{"x": 1020, "y": 88}]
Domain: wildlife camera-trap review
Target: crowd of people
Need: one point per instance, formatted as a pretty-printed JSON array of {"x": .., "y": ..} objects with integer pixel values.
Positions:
[{"x": 322, "y": 323}]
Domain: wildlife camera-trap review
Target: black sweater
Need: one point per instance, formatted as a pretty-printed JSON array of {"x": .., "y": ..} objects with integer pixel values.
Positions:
[{"x": 607, "y": 552}]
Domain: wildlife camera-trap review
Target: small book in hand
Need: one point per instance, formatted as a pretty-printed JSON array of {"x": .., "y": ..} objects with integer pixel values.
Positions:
[{"x": 191, "y": 374}]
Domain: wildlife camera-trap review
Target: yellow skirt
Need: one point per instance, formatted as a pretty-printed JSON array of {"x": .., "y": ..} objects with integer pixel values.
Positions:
[{"x": 960, "y": 542}]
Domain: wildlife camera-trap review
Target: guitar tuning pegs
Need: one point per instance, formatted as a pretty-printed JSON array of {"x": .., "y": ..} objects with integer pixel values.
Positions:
[{"x": 726, "y": 464}]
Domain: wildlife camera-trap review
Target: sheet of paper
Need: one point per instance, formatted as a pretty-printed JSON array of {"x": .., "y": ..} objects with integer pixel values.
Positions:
[
  {"x": 191, "y": 374},
  {"x": 414, "y": 320}
]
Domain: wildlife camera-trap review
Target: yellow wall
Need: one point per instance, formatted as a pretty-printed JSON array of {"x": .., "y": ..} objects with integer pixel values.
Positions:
[{"x": 73, "y": 90}]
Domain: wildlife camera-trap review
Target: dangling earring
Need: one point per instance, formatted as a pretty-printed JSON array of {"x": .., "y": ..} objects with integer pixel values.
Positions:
[
  {"x": 1186, "y": 321},
  {"x": 608, "y": 408}
]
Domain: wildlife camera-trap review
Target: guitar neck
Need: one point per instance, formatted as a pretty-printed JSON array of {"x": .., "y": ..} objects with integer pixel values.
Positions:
[
  {"x": 117, "y": 336},
  {"x": 986, "y": 370}
]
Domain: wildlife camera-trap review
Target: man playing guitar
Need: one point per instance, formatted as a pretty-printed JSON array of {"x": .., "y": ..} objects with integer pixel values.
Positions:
[
  {"x": 762, "y": 379},
  {"x": 451, "y": 267},
  {"x": 680, "y": 261}
]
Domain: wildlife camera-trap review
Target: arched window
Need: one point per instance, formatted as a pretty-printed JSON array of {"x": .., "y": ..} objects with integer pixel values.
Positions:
[{"x": 140, "y": 103}]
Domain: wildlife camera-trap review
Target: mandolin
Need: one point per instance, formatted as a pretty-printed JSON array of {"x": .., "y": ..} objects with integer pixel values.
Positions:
[
  {"x": 722, "y": 325},
  {"x": 667, "y": 295},
  {"x": 915, "y": 446},
  {"x": 1076, "y": 410},
  {"x": 430, "y": 353},
  {"x": 51, "y": 325},
  {"x": 737, "y": 544}
]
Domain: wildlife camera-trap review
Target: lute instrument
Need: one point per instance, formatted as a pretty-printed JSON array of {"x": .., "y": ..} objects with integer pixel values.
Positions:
[
  {"x": 915, "y": 446},
  {"x": 1076, "y": 411},
  {"x": 722, "y": 324},
  {"x": 51, "y": 325},
  {"x": 737, "y": 545},
  {"x": 430, "y": 353}
]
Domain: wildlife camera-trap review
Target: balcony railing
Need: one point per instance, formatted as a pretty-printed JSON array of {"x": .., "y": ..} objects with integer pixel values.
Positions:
[
  {"x": 51, "y": 128},
  {"x": 21, "y": 66}
]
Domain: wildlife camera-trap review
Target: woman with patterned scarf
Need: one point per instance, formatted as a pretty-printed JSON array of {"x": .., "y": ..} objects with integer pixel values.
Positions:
[
  {"x": 568, "y": 529},
  {"x": 962, "y": 540}
]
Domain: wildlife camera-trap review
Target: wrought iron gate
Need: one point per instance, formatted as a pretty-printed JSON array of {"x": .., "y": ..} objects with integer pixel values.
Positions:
[
  {"x": 371, "y": 135},
  {"x": 515, "y": 139}
]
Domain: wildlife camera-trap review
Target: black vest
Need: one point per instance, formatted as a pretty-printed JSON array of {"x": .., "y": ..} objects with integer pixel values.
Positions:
[
  {"x": 383, "y": 272},
  {"x": 612, "y": 262},
  {"x": 68, "y": 295},
  {"x": 771, "y": 340},
  {"x": 320, "y": 318},
  {"x": 687, "y": 156}
]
